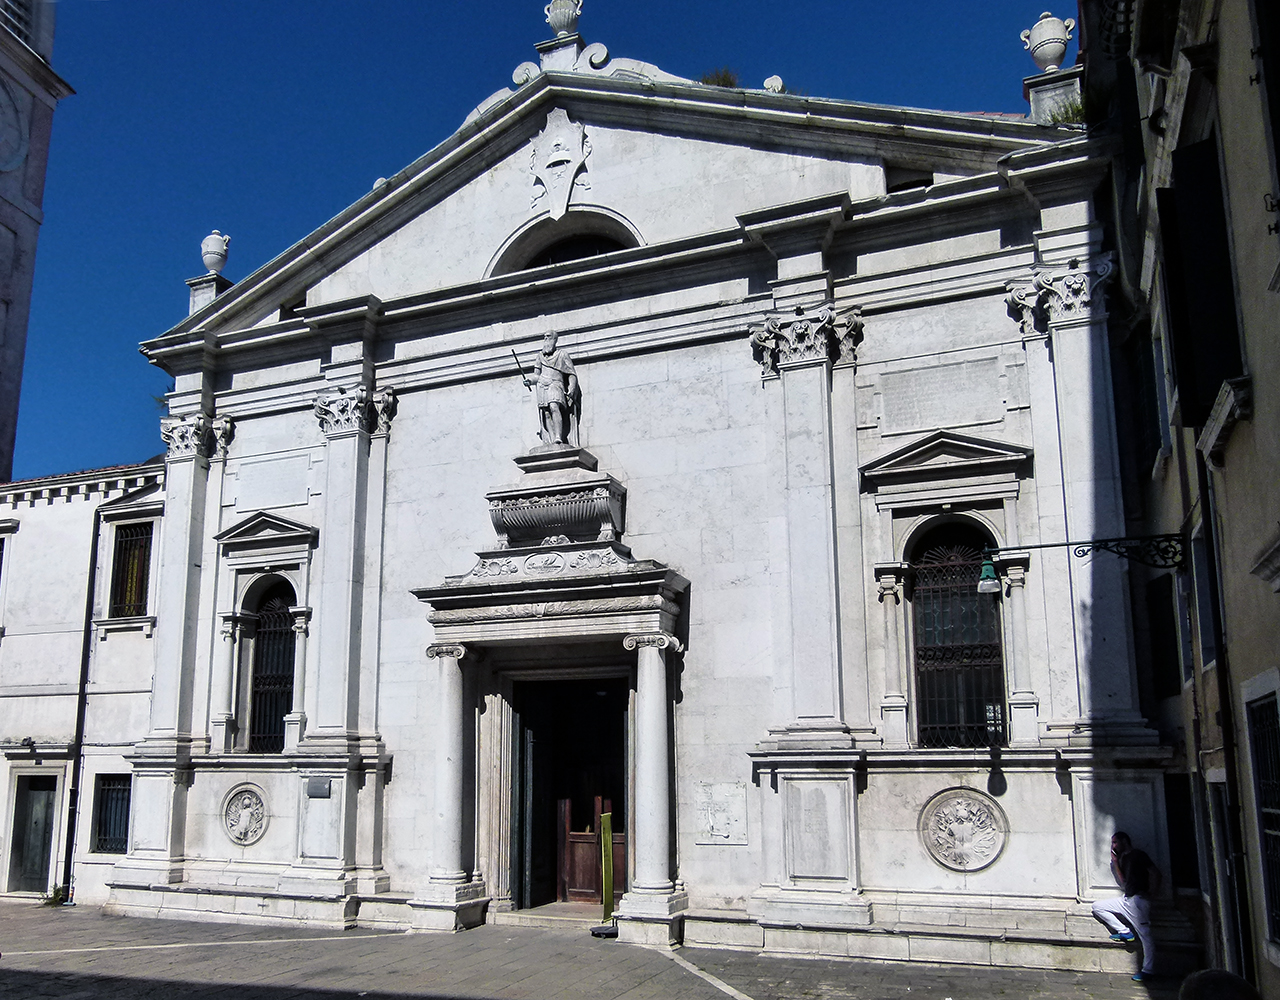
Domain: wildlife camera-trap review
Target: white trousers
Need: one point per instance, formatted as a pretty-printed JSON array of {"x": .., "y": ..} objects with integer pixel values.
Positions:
[{"x": 1130, "y": 912}]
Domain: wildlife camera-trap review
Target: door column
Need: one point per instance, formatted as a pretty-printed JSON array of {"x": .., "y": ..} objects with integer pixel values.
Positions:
[
  {"x": 649, "y": 913},
  {"x": 450, "y": 900},
  {"x": 449, "y": 745}
]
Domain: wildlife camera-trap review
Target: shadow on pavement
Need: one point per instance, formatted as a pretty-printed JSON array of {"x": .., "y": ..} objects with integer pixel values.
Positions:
[{"x": 22, "y": 984}]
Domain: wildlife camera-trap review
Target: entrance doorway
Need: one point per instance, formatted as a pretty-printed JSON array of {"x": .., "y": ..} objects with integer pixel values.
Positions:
[
  {"x": 32, "y": 843},
  {"x": 570, "y": 768}
]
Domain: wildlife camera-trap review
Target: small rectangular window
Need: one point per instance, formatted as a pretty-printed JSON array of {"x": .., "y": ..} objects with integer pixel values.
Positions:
[
  {"x": 111, "y": 814},
  {"x": 131, "y": 568},
  {"x": 1166, "y": 666},
  {"x": 1203, "y": 602},
  {"x": 1264, "y": 739}
]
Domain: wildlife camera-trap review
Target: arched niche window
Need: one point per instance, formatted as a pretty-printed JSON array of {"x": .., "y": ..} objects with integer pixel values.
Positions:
[
  {"x": 959, "y": 659},
  {"x": 575, "y": 248},
  {"x": 270, "y": 687},
  {"x": 580, "y": 234}
]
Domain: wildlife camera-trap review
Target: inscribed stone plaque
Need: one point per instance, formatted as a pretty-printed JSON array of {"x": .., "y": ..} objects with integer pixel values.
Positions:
[
  {"x": 721, "y": 810},
  {"x": 818, "y": 835},
  {"x": 279, "y": 482},
  {"x": 951, "y": 395}
]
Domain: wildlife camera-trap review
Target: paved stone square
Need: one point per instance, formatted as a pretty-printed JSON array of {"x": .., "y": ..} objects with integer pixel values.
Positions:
[{"x": 79, "y": 952}]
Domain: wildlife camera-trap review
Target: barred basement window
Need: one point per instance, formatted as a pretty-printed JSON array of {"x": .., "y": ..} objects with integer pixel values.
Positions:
[
  {"x": 131, "y": 568},
  {"x": 1264, "y": 738},
  {"x": 960, "y": 686},
  {"x": 271, "y": 694},
  {"x": 16, "y": 16},
  {"x": 111, "y": 814}
]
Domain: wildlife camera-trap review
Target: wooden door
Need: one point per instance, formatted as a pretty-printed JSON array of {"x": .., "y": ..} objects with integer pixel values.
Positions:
[
  {"x": 580, "y": 856},
  {"x": 32, "y": 843}
]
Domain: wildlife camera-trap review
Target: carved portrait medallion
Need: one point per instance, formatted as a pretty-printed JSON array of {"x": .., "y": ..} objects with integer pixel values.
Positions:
[
  {"x": 245, "y": 815},
  {"x": 963, "y": 829}
]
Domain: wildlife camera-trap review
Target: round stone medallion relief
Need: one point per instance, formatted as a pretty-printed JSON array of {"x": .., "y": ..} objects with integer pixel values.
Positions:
[
  {"x": 245, "y": 815},
  {"x": 963, "y": 829}
]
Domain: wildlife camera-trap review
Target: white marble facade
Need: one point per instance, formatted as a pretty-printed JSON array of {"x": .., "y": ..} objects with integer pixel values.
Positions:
[{"x": 824, "y": 331}]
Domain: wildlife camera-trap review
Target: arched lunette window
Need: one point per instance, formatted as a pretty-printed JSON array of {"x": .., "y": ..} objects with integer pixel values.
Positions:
[
  {"x": 271, "y": 689},
  {"x": 959, "y": 659}
]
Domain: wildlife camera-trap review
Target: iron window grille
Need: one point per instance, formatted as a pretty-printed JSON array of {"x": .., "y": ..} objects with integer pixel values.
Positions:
[
  {"x": 960, "y": 686},
  {"x": 111, "y": 819},
  {"x": 271, "y": 694},
  {"x": 16, "y": 15},
  {"x": 1264, "y": 737},
  {"x": 130, "y": 571}
]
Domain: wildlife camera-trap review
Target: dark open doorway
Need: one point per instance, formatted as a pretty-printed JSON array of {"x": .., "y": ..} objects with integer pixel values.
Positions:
[
  {"x": 571, "y": 766},
  {"x": 32, "y": 844}
]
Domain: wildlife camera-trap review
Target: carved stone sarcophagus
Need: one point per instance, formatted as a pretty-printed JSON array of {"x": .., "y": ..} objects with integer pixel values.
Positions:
[{"x": 561, "y": 498}]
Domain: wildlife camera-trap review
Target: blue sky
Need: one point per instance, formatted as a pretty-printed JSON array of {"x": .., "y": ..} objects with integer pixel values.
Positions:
[{"x": 264, "y": 118}]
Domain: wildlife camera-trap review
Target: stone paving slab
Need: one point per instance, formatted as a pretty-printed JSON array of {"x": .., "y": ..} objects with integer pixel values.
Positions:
[{"x": 79, "y": 952}]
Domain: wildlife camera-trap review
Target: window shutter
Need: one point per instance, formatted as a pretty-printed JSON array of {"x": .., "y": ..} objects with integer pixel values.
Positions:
[{"x": 1199, "y": 280}]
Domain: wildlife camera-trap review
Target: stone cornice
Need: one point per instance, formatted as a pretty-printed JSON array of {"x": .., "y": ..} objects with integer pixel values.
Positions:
[{"x": 33, "y": 66}]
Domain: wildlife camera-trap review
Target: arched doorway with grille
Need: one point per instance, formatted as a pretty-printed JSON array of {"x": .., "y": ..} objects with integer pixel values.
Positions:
[
  {"x": 958, "y": 652},
  {"x": 268, "y": 686}
]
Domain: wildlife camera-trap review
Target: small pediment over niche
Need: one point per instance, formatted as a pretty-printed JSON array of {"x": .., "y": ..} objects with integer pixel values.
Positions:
[
  {"x": 263, "y": 534},
  {"x": 944, "y": 465},
  {"x": 148, "y": 501}
]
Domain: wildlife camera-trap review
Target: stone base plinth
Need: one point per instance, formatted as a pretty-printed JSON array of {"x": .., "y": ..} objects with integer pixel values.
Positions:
[
  {"x": 815, "y": 909},
  {"x": 651, "y": 918},
  {"x": 449, "y": 907},
  {"x": 225, "y": 904}
]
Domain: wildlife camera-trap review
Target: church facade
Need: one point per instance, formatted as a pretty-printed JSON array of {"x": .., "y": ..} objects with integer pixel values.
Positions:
[{"x": 687, "y": 462}]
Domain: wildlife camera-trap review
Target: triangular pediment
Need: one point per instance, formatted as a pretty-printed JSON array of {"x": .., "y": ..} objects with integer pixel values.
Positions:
[
  {"x": 264, "y": 530},
  {"x": 944, "y": 455},
  {"x": 654, "y": 138}
]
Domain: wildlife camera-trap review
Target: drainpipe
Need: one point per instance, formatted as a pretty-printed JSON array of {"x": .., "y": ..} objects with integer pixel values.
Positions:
[{"x": 82, "y": 704}]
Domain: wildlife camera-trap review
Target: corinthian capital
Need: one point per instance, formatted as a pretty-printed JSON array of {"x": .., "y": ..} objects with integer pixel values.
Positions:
[
  {"x": 187, "y": 437},
  {"x": 806, "y": 336},
  {"x": 343, "y": 410},
  {"x": 1061, "y": 295}
]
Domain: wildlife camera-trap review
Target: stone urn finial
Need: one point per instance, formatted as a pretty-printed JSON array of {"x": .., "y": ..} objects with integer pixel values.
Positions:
[
  {"x": 1047, "y": 41},
  {"x": 213, "y": 251},
  {"x": 563, "y": 16}
]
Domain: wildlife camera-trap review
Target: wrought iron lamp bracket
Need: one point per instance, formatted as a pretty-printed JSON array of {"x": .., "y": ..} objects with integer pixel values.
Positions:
[{"x": 1156, "y": 551}]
